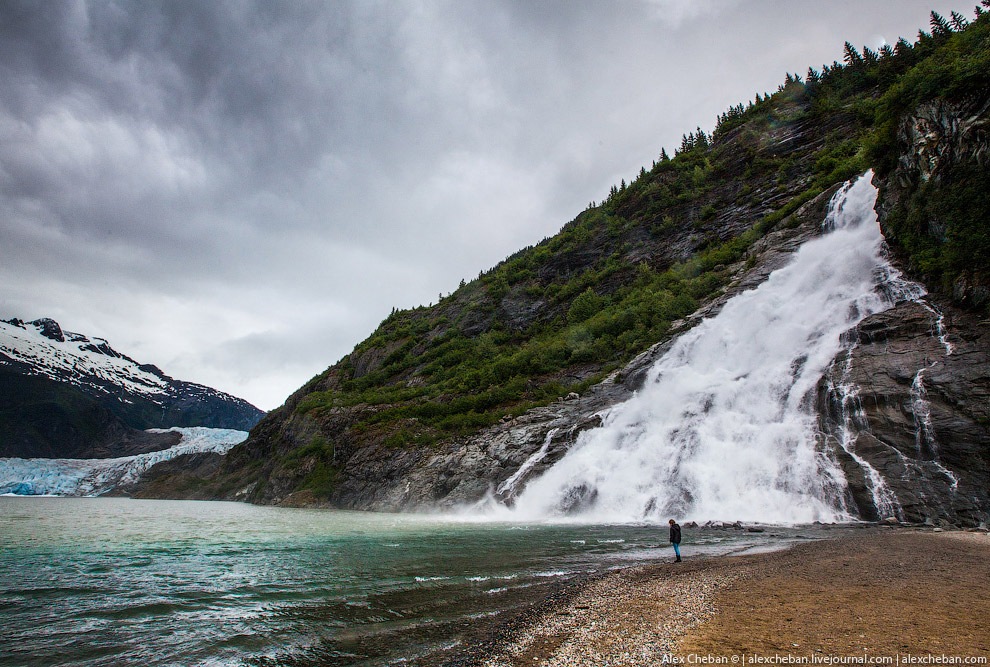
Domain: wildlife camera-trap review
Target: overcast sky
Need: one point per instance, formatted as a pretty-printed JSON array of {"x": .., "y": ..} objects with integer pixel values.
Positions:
[{"x": 239, "y": 192}]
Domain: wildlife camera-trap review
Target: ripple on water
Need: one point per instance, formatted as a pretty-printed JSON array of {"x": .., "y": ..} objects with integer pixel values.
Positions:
[{"x": 123, "y": 582}]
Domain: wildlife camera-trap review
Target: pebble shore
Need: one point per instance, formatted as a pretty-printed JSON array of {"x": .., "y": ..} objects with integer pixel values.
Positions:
[
  {"x": 821, "y": 596},
  {"x": 627, "y": 618}
]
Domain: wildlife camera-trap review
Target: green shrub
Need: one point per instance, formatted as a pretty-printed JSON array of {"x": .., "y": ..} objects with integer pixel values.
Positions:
[{"x": 584, "y": 306}]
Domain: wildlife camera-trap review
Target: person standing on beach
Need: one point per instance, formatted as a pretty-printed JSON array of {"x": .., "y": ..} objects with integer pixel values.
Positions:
[{"x": 675, "y": 539}]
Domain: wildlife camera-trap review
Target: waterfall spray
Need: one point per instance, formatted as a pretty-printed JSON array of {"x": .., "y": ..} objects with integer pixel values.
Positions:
[{"x": 723, "y": 428}]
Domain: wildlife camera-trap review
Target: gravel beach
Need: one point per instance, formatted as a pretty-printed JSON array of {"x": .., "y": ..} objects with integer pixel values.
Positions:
[{"x": 886, "y": 594}]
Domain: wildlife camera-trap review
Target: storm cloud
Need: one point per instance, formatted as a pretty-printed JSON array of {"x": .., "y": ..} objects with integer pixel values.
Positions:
[{"x": 240, "y": 191}]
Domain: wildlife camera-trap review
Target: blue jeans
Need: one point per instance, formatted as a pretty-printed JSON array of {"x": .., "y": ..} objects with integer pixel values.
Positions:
[{"x": 677, "y": 549}]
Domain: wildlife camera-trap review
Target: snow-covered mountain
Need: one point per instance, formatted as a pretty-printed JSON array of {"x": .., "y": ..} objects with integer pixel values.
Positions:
[
  {"x": 140, "y": 394},
  {"x": 43, "y": 348},
  {"x": 93, "y": 477}
]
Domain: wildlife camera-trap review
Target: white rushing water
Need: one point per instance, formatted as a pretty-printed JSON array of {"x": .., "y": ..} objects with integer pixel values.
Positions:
[
  {"x": 92, "y": 477},
  {"x": 509, "y": 485},
  {"x": 724, "y": 427}
]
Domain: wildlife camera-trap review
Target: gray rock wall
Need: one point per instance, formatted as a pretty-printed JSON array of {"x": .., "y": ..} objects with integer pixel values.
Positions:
[{"x": 911, "y": 401}]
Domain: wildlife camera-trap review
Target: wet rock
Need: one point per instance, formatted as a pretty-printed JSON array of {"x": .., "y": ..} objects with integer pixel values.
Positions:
[{"x": 922, "y": 415}]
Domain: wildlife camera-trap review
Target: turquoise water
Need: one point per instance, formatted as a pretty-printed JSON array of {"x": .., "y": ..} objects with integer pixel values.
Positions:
[{"x": 100, "y": 581}]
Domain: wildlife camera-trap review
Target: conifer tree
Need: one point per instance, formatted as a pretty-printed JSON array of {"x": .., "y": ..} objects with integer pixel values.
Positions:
[
  {"x": 663, "y": 155},
  {"x": 903, "y": 48},
  {"x": 851, "y": 56},
  {"x": 940, "y": 27},
  {"x": 700, "y": 139},
  {"x": 959, "y": 22}
]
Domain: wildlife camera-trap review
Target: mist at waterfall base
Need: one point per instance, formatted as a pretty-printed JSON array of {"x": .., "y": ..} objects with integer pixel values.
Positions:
[{"x": 723, "y": 428}]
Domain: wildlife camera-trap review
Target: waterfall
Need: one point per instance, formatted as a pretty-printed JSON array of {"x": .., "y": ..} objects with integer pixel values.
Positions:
[
  {"x": 724, "y": 426},
  {"x": 507, "y": 487},
  {"x": 853, "y": 422},
  {"x": 924, "y": 435}
]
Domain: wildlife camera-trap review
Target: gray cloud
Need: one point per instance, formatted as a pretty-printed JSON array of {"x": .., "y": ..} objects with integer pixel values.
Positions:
[{"x": 240, "y": 191}]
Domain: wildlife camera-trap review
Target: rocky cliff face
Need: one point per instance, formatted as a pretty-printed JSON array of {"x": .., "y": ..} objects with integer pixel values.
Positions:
[
  {"x": 928, "y": 203},
  {"x": 910, "y": 405},
  {"x": 912, "y": 399}
]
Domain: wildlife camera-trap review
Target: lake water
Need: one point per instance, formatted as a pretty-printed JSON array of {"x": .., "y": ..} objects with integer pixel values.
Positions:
[{"x": 102, "y": 581}]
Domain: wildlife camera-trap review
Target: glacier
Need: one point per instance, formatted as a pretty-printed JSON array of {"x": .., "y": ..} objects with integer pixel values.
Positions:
[{"x": 94, "y": 477}]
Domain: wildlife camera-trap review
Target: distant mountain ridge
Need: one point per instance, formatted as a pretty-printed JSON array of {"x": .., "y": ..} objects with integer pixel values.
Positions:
[{"x": 91, "y": 377}]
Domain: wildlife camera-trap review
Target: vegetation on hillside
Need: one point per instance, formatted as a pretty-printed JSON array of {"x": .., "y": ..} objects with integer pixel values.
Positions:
[
  {"x": 941, "y": 227},
  {"x": 555, "y": 317}
]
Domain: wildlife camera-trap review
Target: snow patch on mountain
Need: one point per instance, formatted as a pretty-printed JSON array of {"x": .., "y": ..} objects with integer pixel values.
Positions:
[
  {"x": 42, "y": 348},
  {"x": 77, "y": 359},
  {"x": 94, "y": 477}
]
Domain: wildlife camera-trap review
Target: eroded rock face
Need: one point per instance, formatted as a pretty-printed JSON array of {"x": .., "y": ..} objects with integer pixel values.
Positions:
[
  {"x": 936, "y": 139},
  {"x": 911, "y": 399},
  {"x": 924, "y": 381},
  {"x": 939, "y": 134}
]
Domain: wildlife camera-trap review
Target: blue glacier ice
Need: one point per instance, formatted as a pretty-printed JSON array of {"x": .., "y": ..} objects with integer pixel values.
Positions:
[{"x": 94, "y": 477}]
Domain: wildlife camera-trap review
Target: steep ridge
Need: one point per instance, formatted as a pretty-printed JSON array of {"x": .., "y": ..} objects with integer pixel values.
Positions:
[
  {"x": 443, "y": 405},
  {"x": 70, "y": 395},
  {"x": 47, "y": 419},
  {"x": 909, "y": 400}
]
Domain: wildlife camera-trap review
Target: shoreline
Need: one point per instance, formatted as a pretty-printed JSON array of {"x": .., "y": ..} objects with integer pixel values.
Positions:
[{"x": 883, "y": 593}]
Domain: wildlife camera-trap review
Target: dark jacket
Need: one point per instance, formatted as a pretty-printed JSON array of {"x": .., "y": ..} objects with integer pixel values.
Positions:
[{"x": 675, "y": 534}]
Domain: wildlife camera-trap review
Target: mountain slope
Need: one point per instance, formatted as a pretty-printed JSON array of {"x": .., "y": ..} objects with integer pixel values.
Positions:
[
  {"x": 66, "y": 394},
  {"x": 444, "y": 403},
  {"x": 41, "y": 418}
]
